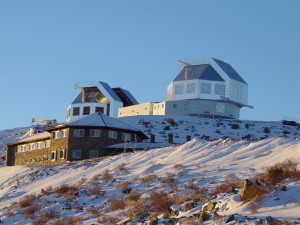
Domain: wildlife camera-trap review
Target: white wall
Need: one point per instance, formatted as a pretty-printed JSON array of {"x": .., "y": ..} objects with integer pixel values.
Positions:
[{"x": 92, "y": 106}]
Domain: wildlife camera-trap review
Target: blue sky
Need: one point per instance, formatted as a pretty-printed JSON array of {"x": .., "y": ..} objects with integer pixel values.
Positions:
[{"x": 47, "y": 46}]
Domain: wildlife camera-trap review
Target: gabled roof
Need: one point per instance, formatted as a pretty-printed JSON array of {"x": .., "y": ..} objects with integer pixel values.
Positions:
[
  {"x": 103, "y": 87},
  {"x": 99, "y": 120},
  {"x": 36, "y": 137},
  {"x": 203, "y": 72},
  {"x": 228, "y": 69},
  {"x": 207, "y": 69}
]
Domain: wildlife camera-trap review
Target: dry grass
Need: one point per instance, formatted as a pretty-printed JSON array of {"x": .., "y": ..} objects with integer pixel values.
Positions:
[
  {"x": 122, "y": 167},
  {"x": 29, "y": 211},
  {"x": 133, "y": 196},
  {"x": 67, "y": 190},
  {"x": 47, "y": 191},
  {"x": 287, "y": 169},
  {"x": 45, "y": 217},
  {"x": 116, "y": 203},
  {"x": 96, "y": 191},
  {"x": 160, "y": 201},
  {"x": 107, "y": 176},
  {"x": 27, "y": 200},
  {"x": 179, "y": 199},
  {"x": 147, "y": 178},
  {"x": 170, "y": 181},
  {"x": 255, "y": 204},
  {"x": 108, "y": 220},
  {"x": 177, "y": 165},
  {"x": 138, "y": 209},
  {"x": 123, "y": 185},
  {"x": 197, "y": 194},
  {"x": 228, "y": 184},
  {"x": 69, "y": 221}
]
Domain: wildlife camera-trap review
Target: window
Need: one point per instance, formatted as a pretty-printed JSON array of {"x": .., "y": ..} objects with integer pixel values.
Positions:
[
  {"x": 31, "y": 146},
  {"x": 47, "y": 144},
  {"x": 162, "y": 105},
  {"x": 55, "y": 134},
  {"x": 53, "y": 155},
  {"x": 93, "y": 154},
  {"x": 178, "y": 89},
  {"x": 191, "y": 88},
  {"x": 39, "y": 145},
  {"x": 78, "y": 132},
  {"x": 77, "y": 153},
  {"x": 99, "y": 109},
  {"x": 112, "y": 134},
  {"x": 76, "y": 111},
  {"x": 95, "y": 133},
  {"x": 22, "y": 148},
  {"x": 62, "y": 154},
  {"x": 64, "y": 133},
  {"x": 86, "y": 110},
  {"x": 205, "y": 88},
  {"x": 174, "y": 106},
  {"x": 220, "y": 89},
  {"x": 126, "y": 136}
]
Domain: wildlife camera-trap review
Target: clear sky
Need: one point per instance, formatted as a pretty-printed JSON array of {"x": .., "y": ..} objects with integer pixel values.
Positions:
[{"x": 47, "y": 46}]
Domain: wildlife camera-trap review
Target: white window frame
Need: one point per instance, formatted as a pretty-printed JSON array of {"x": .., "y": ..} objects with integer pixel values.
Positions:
[
  {"x": 31, "y": 146},
  {"x": 22, "y": 148},
  {"x": 126, "y": 136},
  {"x": 64, "y": 133},
  {"x": 74, "y": 153},
  {"x": 219, "y": 88},
  {"x": 205, "y": 88},
  {"x": 39, "y": 145},
  {"x": 191, "y": 88},
  {"x": 64, "y": 154},
  {"x": 179, "y": 89},
  {"x": 95, "y": 133},
  {"x": 73, "y": 111},
  {"x": 112, "y": 134},
  {"x": 78, "y": 133},
  {"x": 53, "y": 158},
  {"x": 91, "y": 153},
  {"x": 47, "y": 144},
  {"x": 56, "y": 134}
]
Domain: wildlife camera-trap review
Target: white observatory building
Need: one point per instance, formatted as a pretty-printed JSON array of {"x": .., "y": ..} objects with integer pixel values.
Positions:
[
  {"x": 98, "y": 96},
  {"x": 207, "y": 87}
]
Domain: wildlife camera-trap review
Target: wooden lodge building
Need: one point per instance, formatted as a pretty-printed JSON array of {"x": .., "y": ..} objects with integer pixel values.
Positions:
[{"x": 85, "y": 138}]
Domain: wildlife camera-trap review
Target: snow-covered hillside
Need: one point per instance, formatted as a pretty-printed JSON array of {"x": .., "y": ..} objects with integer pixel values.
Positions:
[{"x": 141, "y": 186}]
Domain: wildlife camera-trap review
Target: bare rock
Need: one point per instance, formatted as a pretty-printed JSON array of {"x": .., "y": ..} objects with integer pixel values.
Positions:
[
  {"x": 230, "y": 218},
  {"x": 209, "y": 207},
  {"x": 203, "y": 216}
]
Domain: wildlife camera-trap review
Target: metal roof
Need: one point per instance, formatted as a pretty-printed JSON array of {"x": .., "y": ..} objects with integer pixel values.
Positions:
[
  {"x": 203, "y": 72},
  {"x": 227, "y": 68}
]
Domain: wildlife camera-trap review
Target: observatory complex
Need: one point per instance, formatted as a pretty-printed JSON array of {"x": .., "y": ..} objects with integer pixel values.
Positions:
[{"x": 207, "y": 87}]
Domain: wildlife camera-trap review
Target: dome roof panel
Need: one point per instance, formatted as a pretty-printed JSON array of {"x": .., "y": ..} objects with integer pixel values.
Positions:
[{"x": 202, "y": 72}]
